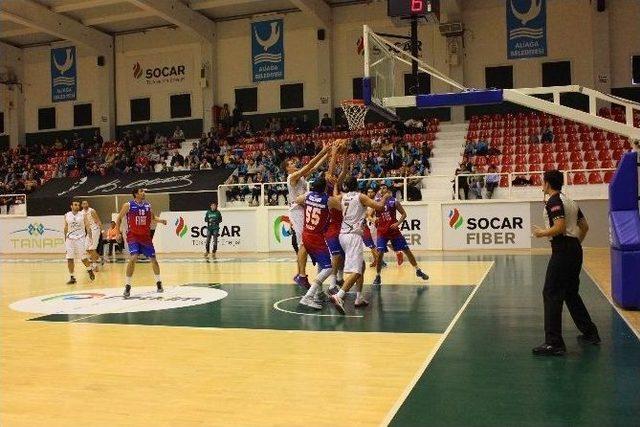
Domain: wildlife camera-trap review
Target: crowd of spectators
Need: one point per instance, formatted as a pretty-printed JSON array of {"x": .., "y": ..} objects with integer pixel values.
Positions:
[{"x": 229, "y": 145}]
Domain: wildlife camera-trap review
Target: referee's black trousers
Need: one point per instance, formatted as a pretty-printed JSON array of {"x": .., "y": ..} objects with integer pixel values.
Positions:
[{"x": 561, "y": 286}]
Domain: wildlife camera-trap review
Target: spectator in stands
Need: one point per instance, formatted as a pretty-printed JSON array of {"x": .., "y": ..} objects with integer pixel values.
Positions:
[
  {"x": 547, "y": 135},
  {"x": 482, "y": 147},
  {"x": 520, "y": 181},
  {"x": 470, "y": 149},
  {"x": 462, "y": 176},
  {"x": 178, "y": 135},
  {"x": 533, "y": 139},
  {"x": 225, "y": 116},
  {"x": 326, "y": 123},
  {"x": 305, "y": 125},
  {"x": 237, "y": 115},
  {"x": 205, "y": 165},
  {"x": 492, "y": 181},
  {"x": 475, "y": 185},
  {"x": 97, "y": 139}
]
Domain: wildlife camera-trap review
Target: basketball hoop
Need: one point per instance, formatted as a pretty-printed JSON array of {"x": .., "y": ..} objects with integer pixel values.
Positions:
[{"x": 355, "y": 111}]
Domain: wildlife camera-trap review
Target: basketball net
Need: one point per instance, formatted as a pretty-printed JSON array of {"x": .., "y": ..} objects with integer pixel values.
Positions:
[{"x": 355, "y": 111}]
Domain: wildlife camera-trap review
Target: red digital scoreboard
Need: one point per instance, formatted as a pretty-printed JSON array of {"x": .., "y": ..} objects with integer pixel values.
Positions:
[{"x": 409, "y": 8}]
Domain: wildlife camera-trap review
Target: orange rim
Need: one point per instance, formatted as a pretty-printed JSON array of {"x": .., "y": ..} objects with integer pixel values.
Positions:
[{"x": 353, "y": 102}]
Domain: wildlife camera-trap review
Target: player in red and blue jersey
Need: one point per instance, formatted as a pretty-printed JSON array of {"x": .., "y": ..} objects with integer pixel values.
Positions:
[
  {"x": 316, "y": 221},
  {"x": 388, "y": 230},
  {"x": 139, "y": 218},
  {"x": 332, "y": 235}
]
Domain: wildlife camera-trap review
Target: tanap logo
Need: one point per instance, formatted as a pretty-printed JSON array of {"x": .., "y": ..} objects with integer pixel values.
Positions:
[
  {"x": 282, "y": 227},
  {"x": 181, "y": 227},
  {"x": 35, "y": 229},
  {"x": 455, "y": 219},
  {"x": 137, "y": 70},
  {"x": 73, "y": 297}
]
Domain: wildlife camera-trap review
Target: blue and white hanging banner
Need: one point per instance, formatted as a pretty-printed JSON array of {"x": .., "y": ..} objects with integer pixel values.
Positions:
[
  {"x": 64, "y": 82},
  {"x": 526, "y": 28},
  {"x": 267, "y": 50}
]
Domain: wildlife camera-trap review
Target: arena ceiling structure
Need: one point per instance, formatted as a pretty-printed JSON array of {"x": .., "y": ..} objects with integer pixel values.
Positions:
[
  {"x": 93, "y": 23},
  {"x": 26, "y": 23}
]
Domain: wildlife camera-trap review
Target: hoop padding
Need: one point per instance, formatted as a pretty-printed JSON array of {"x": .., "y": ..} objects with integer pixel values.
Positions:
[{"x": 355, "y": 111}]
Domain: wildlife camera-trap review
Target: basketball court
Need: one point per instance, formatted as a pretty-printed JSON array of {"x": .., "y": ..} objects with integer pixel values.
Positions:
[{"x": 454, "y": 352}]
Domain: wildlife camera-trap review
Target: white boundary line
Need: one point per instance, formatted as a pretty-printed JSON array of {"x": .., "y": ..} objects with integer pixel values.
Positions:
[
  {"x": 276, "y": 305},
  {"x": 405, "y": 393},
  {"x": 613, "y": 304}
]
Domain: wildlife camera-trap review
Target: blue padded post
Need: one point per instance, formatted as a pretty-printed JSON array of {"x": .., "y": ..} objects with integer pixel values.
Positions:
[
  {"x": 624, "y": 221},
  {"x": 623, "y": 189}
]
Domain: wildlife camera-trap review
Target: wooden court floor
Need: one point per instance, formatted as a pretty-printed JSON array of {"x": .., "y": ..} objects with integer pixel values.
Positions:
[{"x": 228, "y": 345}]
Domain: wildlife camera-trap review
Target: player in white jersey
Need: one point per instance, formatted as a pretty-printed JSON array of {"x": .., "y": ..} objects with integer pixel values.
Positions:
[
  {"x": 95, "y": 230},
  {"x": 76, "y": 226},
  {"x": 354, "y": 209},
  {"x": 297, "y": 186}
]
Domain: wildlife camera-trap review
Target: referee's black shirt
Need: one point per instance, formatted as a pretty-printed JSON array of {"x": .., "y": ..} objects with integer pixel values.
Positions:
[{"x": 560, "y": 206}]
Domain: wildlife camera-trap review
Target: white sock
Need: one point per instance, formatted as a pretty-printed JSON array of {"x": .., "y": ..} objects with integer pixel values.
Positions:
[
  {"x": 340, "y": 294},
  {"x": 323, "y": 275},
  {"x": 157, "y": 277},
  {"x": 128, "y": 280},
  {"x": 312, "y": 290},
  {"x": 358, "y": 295}
]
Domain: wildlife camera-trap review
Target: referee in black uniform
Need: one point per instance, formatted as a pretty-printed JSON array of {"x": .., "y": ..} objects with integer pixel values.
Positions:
[{"x": 567, "y": 229}]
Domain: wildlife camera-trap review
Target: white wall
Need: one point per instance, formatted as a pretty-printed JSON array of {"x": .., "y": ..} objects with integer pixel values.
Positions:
[
  {"x": 92, "y": 80},
  {"x": 11, "y": 99},
  {"x": 301, "y": 66},
  {"x": 157, "y": 48},
  {"x": 625, "y": 39},
  {"x": 568, "y": 38}
]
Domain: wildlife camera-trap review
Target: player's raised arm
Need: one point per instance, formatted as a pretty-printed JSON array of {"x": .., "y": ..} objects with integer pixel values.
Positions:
[
  {"x": 313, "y": 164},
  {"x": 301, "y": 199},
  {"x": 343, "y": 173},
  {"x": 335, "y": 202},
  {"x": 376, "y": 206},
  {"x": 121, "y": 214}
]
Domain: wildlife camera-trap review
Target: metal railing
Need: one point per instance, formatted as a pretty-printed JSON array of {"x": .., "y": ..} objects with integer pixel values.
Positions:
[
  {"x": 447, "y": 187},
  {"x": 569, "y": 187},
  {"x": 13, "y": 205}
]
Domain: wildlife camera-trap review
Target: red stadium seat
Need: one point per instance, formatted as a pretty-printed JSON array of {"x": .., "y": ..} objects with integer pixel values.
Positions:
[
  {"x": 577, "y": 165},
  {"x": 560, "y": 147},
  {"x": 595, "y": 178},
  {"x": 575, "y": 156},
  {"x": 578, "y": 178},
  {"x": 536, "y": 179},
  {"x": 520, "y": 168},
  {"x": 563, "y": 166},
  {"x": 534, "y": 158},
  {"x": 504, "y": 181},
  {"x": 506, "y": 169},
  {"x": 590, "y": 156},
  {"x": 548, "y": 158},
  {"x": 604, "y": 155},
  {"x": 561, "y": 157},
  {"x": 507, "y": 149},
  {"x": 480, "y": 160},
  {"x": 534, "y": 148},
  {"x": 606, "y": 164},
  {"x": 549, "y": 166},
  {"x": 535, "y": 167},
  {"x": 521, "y": 149},
  {"x": 547, "y": 148},
  {"x": 593, "y": 164},
  {"x": 520, "y": 160},
  {"x": 507, "y": 160}
]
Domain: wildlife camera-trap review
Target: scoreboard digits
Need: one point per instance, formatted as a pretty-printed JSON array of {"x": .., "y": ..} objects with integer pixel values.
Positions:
[{"x": 408, "y": 8}]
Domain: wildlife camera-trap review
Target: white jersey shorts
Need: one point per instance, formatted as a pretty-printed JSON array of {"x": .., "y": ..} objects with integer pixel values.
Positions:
[
  {"x": 92, "y": 244},
  {"x": 76, "y": 248},
  {"x": 353, "y": 252},
  {"x": 296, "y": 216}
]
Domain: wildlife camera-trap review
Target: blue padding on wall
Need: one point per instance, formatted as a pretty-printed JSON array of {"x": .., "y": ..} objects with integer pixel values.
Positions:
[
  {"x": 625, "y": 230},
  {"x": 478, "y": 97},
  {"x": 625, "y": 278},
  {"x": 366, "y": 90},
  {"x": 623, "y": 190}
]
